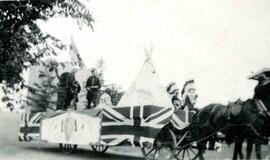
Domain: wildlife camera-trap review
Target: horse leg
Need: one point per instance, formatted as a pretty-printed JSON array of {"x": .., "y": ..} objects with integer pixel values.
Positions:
[
  {"x": 201, "y": 152},
  {"x": 235, "y": 151},
  {"x": 201, "y": 148},
  {"x": 249, "y": 147},
  {"x": 238, "y": 150},
  {"x": 258, "y": 150}
]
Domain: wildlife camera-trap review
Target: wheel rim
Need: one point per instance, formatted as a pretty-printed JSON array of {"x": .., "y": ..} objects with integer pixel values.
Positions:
[
  {"x": 68, "y": 148},
  {"x": 99, "y": 148},
  {"x": 163, "y": 148},
  {"x": 187, "y": 153}
]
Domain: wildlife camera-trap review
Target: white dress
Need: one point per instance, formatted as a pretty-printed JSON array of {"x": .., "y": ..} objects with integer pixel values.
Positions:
[{"x": 105, "y": 100}]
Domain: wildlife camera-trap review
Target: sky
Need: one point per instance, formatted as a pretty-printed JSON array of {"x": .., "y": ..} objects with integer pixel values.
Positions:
[{"x": 216, "y": 43}]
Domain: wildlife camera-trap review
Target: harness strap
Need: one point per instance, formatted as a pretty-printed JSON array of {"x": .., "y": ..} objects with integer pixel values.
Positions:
[
  {"x": 261, "y": 106},
  {"x": 212, "y": 112},
  {"x": 229, "y": 113}
]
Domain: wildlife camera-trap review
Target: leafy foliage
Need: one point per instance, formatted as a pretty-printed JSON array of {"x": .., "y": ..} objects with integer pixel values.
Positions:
[
  {"x": 115, "y": 90},
  {"x": 22, "y": 42},
  {"x": 100, "y": 65},
  {"x": 42, "y": 94}
]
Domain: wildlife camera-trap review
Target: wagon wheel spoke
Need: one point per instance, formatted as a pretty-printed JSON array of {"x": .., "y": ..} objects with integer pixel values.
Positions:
[
  {"x": 99, "y": 148},
  {"x": 192, "y": 151},
  {"x": 176, "y": 157},
  {"x": 154, "y": 155},
  {"x": 188, "y": 154},
  {"x": 150, "y": 151},
  {"x": 179, "y": 152},
  {"x": 183, "y": 156},
  {"x": 163, "y": 147},
  {"x": 168, "y": 149}
]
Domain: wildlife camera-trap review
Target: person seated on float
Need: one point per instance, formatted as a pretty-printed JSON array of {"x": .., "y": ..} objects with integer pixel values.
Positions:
[
  {"x": 105, "y": 99},
  {"x": 173, "y": 90},
  {"x": 189, "y": 96},
  {"x": 75, "y": 90}
]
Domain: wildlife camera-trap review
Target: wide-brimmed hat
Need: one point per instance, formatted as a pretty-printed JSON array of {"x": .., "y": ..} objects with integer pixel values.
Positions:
[{"x": 172, "y": 88}]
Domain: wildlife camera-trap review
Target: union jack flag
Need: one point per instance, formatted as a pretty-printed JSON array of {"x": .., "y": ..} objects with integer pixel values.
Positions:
[
  {"x": 181, "y": 118},
  {"x": 133, "y": 125},
  {"x": 30, "y": 126}
]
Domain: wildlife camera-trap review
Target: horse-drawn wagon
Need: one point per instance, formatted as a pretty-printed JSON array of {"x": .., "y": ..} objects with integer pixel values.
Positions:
[{"x": 143, "y": 118}]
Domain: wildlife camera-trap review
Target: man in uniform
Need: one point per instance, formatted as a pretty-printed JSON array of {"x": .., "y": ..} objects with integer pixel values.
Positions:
[{"x": 92, "y": 85}]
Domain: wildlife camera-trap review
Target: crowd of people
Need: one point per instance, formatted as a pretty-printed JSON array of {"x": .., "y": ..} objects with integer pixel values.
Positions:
[{"x": 72, "y": 88}]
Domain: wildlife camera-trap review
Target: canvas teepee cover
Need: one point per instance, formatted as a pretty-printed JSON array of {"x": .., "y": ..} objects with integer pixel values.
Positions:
[
  {"x": 146, "y": 89},
  {"x": 143, "y": 110}
]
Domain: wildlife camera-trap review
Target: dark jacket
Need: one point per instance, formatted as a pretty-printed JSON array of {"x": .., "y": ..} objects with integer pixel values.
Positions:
[
  {"x": 262, "y": 92},
  {"x": 93, "y": 81},
  {"x": 70, "y": 79}
]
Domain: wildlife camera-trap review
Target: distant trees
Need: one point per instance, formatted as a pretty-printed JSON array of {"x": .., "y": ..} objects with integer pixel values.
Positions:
[
  {"x": 22, "y": 43},
  {"x": 115, "y": 90},
  {"x": 100, "y": 65}
]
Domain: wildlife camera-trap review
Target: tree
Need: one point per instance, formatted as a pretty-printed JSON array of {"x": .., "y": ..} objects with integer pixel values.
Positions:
[
  {"x": 100, "y": 65},
  {"x": 115, "y": 90},
  {"x": 22, "y": 43}
]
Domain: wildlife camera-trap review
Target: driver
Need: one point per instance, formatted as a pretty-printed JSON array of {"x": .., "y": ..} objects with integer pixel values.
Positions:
[{"x": 262, "y": 90}]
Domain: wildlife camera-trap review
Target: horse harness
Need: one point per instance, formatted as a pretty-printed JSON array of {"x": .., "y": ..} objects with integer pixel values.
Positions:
[
  {"x": 262, "y": 111},
  {"x": 261, "y": 107}
]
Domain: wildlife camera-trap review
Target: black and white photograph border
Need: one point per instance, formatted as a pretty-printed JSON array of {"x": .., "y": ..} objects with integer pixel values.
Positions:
[{"x": 136, "y": 79}]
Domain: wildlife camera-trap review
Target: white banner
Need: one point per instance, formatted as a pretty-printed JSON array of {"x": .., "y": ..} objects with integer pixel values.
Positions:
[{"x": 71, "y": 128}]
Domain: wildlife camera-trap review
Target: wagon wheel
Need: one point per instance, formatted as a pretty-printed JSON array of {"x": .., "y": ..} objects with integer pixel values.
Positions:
[
  {"x": 68, "y": 148},
  {"x": 99, "y": 148},
  {"x": 189, "y": 152},
  {"x": 163, "y": 147}
]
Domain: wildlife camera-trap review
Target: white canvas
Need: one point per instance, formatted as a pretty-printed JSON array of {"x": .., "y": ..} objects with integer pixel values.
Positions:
[
  {"x": 71, "y": 128},
  {"x": 146, "y": 89}
]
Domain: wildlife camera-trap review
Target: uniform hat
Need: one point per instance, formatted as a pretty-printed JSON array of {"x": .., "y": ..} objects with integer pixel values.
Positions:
[
  {"x": 93, "y": 70},
  {"x": 75, "y": 68}
]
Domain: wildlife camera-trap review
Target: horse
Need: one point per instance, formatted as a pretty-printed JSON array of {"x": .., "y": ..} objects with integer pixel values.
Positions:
[
  {"x": 256, "y": 135},
  {"x": 232, "y": 120}
]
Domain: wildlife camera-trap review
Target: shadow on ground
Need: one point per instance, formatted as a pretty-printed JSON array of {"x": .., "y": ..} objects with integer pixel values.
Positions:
[{"x": 81, "y": 154}]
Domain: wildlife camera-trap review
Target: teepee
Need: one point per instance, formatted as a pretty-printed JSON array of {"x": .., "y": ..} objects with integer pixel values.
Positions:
[
  {"x": 146, "y": 89},
  {"x": 146, "y": 104}
]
